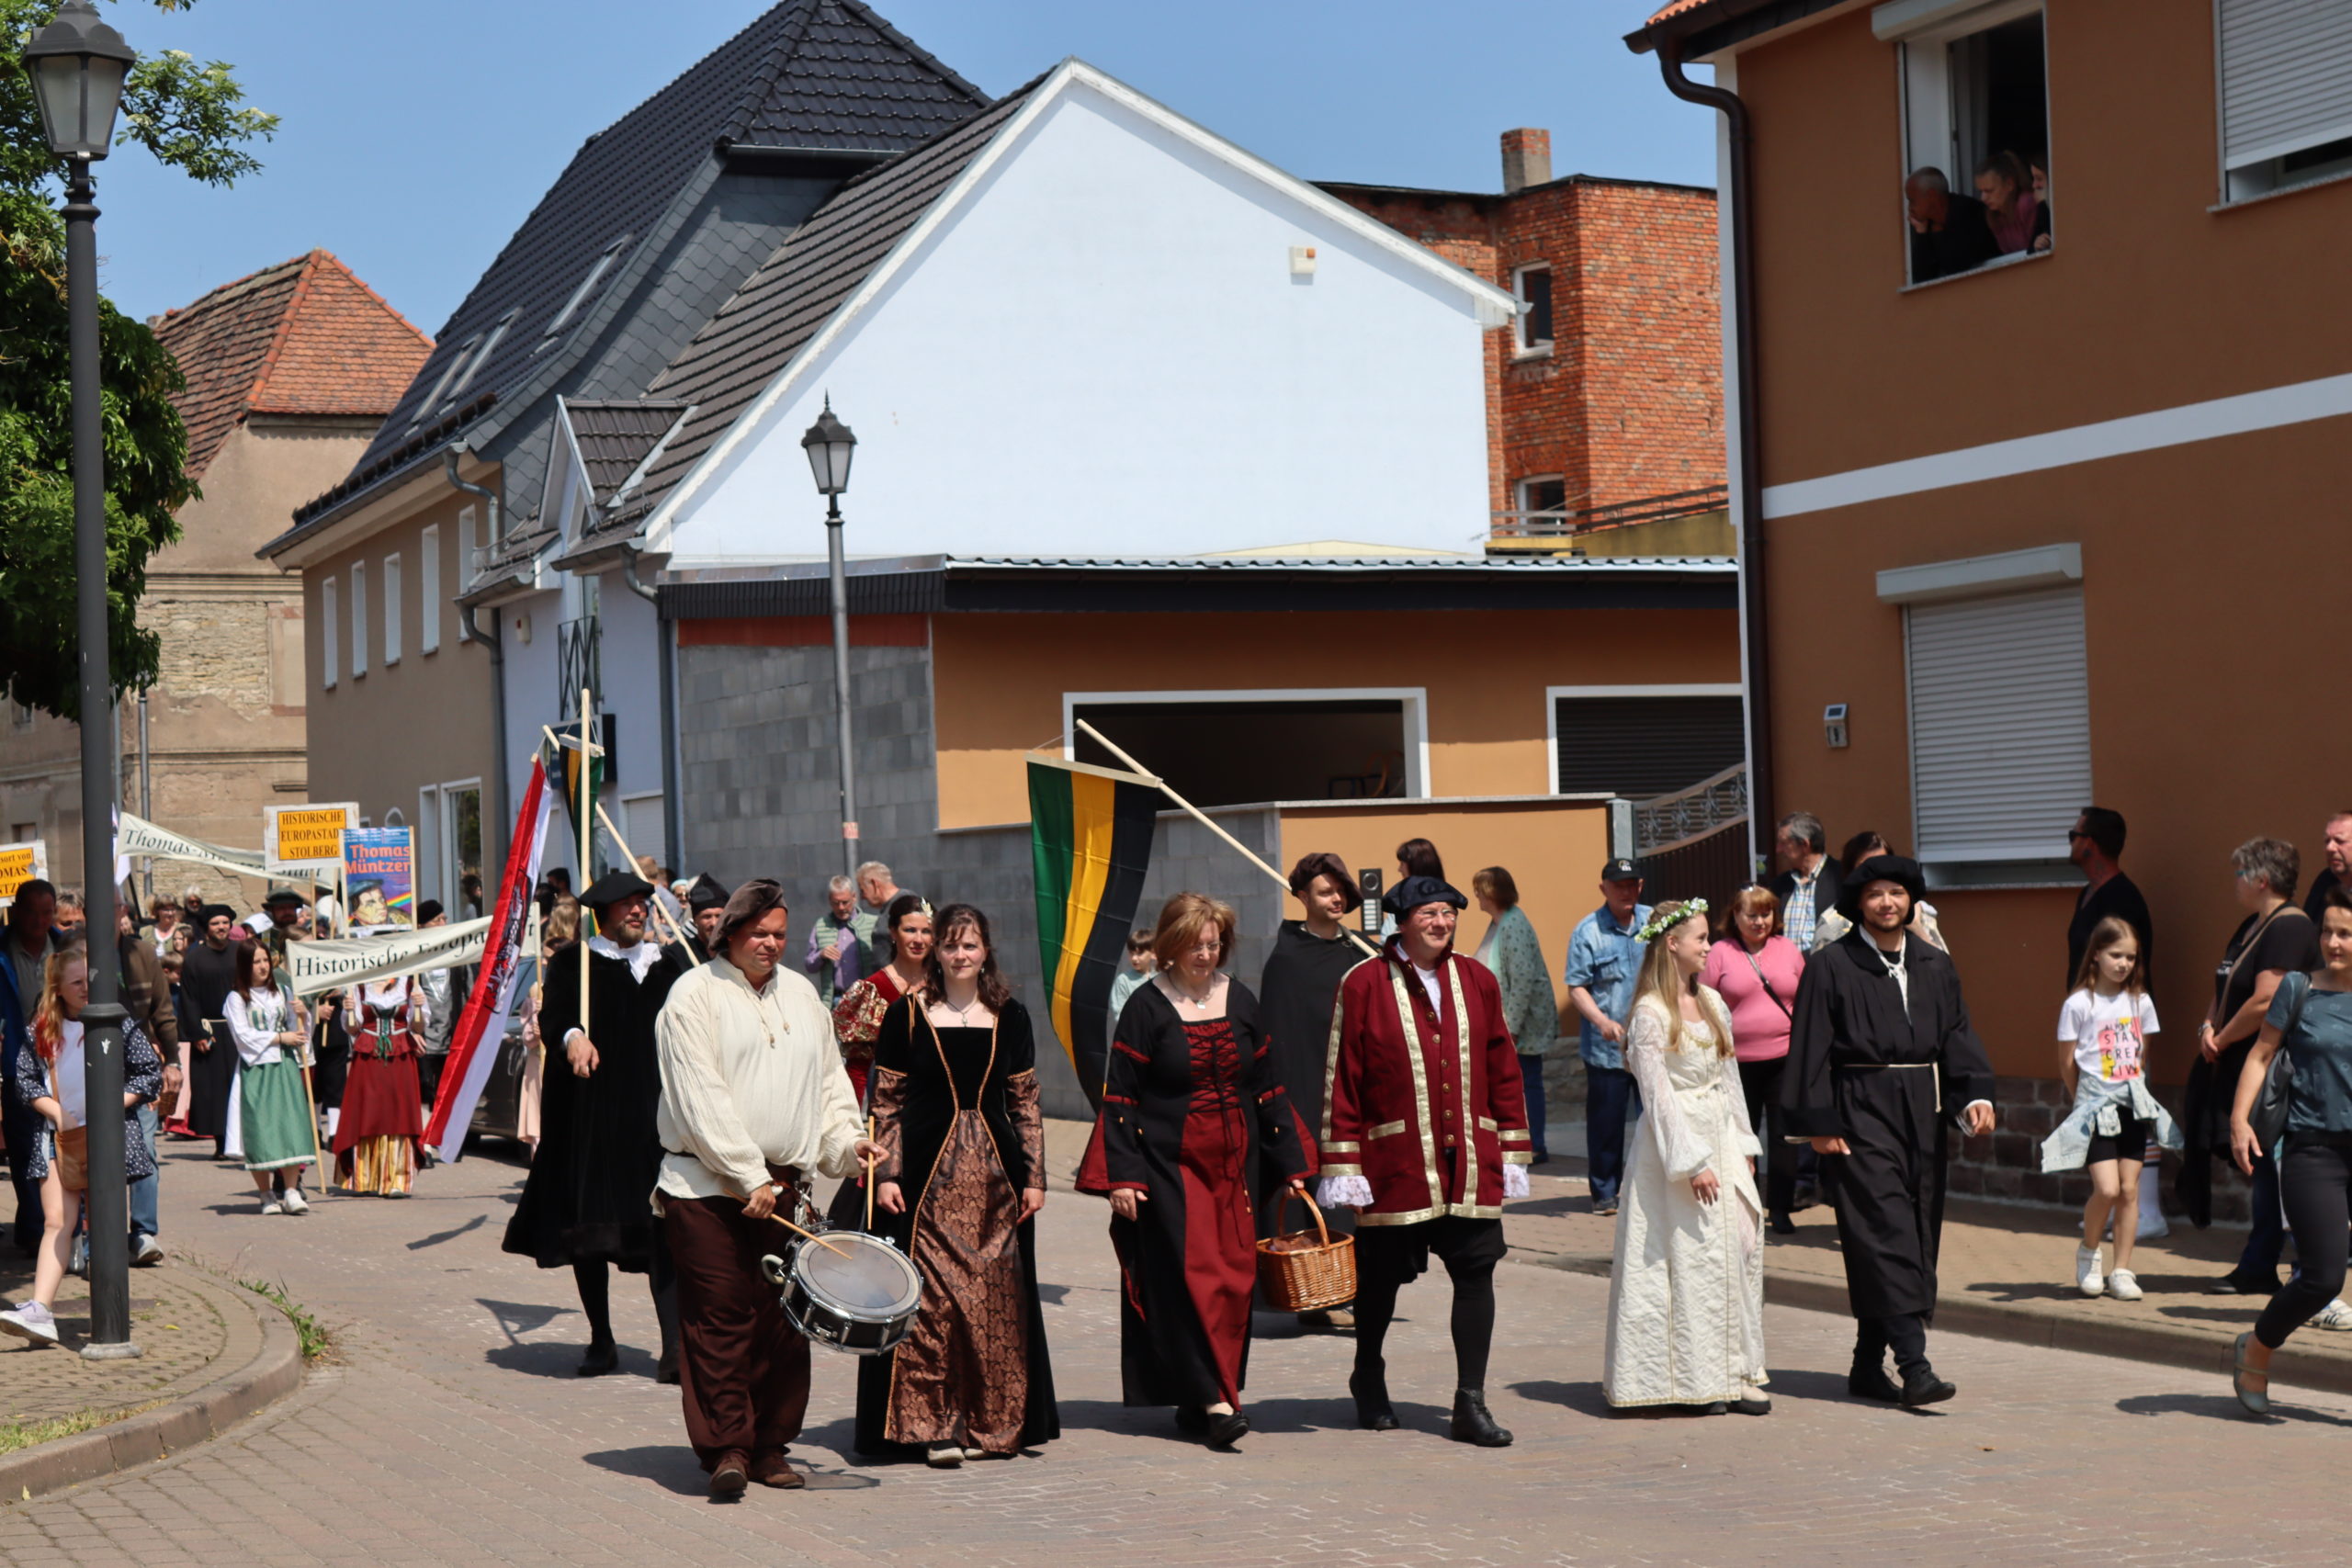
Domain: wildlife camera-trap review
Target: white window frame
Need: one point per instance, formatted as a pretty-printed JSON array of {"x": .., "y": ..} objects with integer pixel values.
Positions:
[
  {"x": 428, "y": 590},
  {"x": 391, "y": 609},
  {"x": 2044, "y": 572},
  {"x": 1416, "y": 700},
  {"x": 330, "y": 633},
  {"x": 358, "y": 619},
  {"x": 1923, "y": 32},
  {"x": 2251, "y": 176},
  {"x": 1552, "y": 695},
  {"x": 426, "y": 843},
  {"x": 1527, "y": 347},
  {"x": 466, "y": 545},
  {"x": 1526, "y": 508},
  {"x": 629, "y": 806}
]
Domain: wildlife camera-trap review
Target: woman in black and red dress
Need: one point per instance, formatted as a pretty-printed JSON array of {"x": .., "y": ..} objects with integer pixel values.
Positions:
[{"x": 1195, "y": 1123}]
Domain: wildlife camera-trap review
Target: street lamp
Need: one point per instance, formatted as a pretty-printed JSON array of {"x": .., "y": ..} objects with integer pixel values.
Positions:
[
  {"x": 830, "y": 447},
  {"x": 78, "y": 65}
]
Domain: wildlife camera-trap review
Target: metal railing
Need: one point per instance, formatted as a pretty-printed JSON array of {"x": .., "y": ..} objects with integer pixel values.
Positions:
[
  {"x": 1570, "y": 521},
  {"x": 576, "y": 661},
  {"x": 1667, "y": 822}
]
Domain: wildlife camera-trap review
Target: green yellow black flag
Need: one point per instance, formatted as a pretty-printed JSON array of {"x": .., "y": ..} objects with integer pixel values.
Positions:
[{"x": 1090, "y": 834}]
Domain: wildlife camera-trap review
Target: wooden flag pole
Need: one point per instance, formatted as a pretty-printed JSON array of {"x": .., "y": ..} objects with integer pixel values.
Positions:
[
  {"x": 660, "y": 912},
  {"x": 586, "y": 798},
  {"x": 1198, "y": 816},
  {"x": 311, "y": 1098}
]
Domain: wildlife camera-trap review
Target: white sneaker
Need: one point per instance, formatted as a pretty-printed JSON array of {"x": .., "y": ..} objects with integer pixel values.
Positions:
[
  {"x": 295, "y": 1203},
  {"x": 31, "y": 1320},
  {"x": 2336, "y": 1314},
  {"x": 147, "y": 1253},
  {"x": 2086, "y": 1274},
  {"x": 2124, "y": 1286},
  {"x": 270, "y": 1205}
]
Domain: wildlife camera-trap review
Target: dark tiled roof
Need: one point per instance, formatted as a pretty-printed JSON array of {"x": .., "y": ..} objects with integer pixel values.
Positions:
[
  {"x": 302, "y": 337},
  {"x": 797, "y": 290},
  {"x": 821, "y": 73},
  {"x": 613, "y": 437}
]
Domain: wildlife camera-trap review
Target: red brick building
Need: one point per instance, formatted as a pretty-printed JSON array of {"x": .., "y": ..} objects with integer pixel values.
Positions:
[{"x": 1605, "y": 402}]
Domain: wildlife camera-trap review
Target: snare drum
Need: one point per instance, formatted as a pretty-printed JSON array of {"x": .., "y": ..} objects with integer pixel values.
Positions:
[{"x": 864, "y": 1303}]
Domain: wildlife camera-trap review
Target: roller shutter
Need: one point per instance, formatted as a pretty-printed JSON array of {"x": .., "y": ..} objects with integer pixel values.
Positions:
[
  {"x": 2001, "y": 726},
  {"x": 2286, "y": 77},
  {"x": 1639, "y": 747}
]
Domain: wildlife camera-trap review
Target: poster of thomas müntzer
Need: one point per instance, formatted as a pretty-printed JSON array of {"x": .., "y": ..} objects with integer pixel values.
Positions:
[{"x": 378, "y": 879}]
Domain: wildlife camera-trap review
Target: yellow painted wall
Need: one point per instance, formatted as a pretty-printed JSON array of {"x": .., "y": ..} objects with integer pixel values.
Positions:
[{"x": 997, "y": 679}]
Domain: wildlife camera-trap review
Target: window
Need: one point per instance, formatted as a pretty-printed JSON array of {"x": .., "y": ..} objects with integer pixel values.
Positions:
[
  {"x": 2286, "y": 85},
  {"x": 1546, "y": 495},
  {"x": 2000, "y": 733},
  {"x": 480, "y": 356},
  {"x": 441, "y": 384},
  {"x": 358, "y": 619},
  {"x": 1976, "y": 117},
  {"x": 1637, "y": 741},
  {"x": 330, "y": 634},
  {"x": 465, "y": 563},
  {"x": 1235, "y": 747},
  {"x": 428, "y": 590},
  {"x": 1532, "y": 284},
  {"x": 391, "y": 609},
  {"x": 597, "y": 272}
]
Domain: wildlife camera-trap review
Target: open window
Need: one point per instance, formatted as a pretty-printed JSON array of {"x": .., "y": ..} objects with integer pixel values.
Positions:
[
  {"x": 1976, "y": 123},
  {"x": 1238, "y": 748},
  {"x": 2286, "y": 86},
  {"x": 1532, "y": 286}
]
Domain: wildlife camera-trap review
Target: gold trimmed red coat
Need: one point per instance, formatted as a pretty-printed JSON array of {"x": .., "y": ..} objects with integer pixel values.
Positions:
[{"x": 1396, "y": 1115}]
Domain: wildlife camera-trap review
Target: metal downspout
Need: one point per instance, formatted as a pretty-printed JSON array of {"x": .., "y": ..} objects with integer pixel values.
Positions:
[
  {"x": 665, "y": 644},
  {"x": 1761, "y": 806},
  {"x": 495, "y": 830}
]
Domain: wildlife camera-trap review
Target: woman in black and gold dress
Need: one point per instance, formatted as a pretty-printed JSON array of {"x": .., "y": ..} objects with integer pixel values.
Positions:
[
  {"x": 1195, "y": 1124},
  {"x": 954, "y": 1093}
]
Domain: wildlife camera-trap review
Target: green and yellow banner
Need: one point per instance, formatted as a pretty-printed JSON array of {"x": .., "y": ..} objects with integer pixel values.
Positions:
[{"x": 1090, "y": 835}]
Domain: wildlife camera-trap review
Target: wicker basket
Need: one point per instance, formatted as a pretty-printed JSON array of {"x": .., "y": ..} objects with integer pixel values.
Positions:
[{"x": 1307, "y": 1271}]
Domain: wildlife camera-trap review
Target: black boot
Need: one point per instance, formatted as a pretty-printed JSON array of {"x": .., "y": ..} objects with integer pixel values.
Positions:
[
  {"x": 1871, "y": 1382},
  {"x": 1370, "y": 1387},
  {"x": 1921, "y": 1386},
  {"x": 603, "y": 1357},
  {"x": 1472, "y": 1423}
]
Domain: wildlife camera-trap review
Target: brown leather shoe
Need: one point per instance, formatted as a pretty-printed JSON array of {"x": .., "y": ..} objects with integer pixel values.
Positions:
[
  {"x": 772, "y": 1469},
  {"x": 728, "y": 1476}
]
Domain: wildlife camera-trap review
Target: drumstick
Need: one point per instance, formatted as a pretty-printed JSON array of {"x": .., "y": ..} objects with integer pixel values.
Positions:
[
  {"x": 869, "y": 1176},
  {"x": 812, "y": 1236}
]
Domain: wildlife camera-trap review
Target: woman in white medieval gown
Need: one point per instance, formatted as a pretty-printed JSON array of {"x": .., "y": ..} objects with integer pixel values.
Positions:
[{"x": 1686, "y": 1291}]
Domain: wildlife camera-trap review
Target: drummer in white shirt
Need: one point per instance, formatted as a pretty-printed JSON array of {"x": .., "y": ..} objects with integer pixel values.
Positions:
[{"x": 754, "y": 1103}]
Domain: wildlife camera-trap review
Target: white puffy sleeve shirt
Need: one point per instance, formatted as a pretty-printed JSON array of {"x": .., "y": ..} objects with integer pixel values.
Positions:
[{"x": 749, "y": 1079}]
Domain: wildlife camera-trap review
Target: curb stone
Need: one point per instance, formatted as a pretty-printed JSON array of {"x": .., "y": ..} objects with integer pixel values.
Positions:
[{"x": 275, "y": 1372}]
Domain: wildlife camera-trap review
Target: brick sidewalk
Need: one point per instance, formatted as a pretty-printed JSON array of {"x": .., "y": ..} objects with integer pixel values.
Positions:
[{"x": 177, "y": 1319}]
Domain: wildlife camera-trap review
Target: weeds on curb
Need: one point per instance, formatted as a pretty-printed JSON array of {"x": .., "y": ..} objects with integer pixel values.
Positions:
[
  {"x": 307, "y": 1330},
  {"x": 15, "y": 1435}
]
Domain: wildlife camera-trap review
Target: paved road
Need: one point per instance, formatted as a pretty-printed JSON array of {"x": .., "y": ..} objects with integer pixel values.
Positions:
[{"x": 453, "y": 1431}]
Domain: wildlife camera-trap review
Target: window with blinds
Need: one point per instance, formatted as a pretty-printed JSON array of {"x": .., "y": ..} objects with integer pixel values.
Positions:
[
  {"x": 1638, "y": 747},
  {"x": 2000, "y": 728},
  {"x": 2286, "y": 86}
]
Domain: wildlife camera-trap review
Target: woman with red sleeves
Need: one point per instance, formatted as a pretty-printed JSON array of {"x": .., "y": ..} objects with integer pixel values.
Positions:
[{"x": 1194, "y": 1123}]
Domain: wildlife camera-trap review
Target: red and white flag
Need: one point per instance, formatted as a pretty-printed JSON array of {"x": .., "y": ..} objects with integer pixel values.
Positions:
[{"x": 473, "y": 1048}]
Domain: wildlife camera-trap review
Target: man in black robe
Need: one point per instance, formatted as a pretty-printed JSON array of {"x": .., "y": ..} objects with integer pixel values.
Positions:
[
  {"x": 588, "y": 1199},
  {"x": 1297, "y": 994},
  {"x": 707, "y": 900},
  {"x": 1882, "y": 1060},
  {"x": 207, "y": 976}
]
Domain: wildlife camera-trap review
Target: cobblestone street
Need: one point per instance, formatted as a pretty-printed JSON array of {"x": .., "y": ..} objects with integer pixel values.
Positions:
[{"x": 451, "y": 1430}]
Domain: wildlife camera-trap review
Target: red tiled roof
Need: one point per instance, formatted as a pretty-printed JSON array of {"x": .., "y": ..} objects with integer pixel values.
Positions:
[
  {"x": 302, "y": 337},
  {"x": 1676, "y": 9}
]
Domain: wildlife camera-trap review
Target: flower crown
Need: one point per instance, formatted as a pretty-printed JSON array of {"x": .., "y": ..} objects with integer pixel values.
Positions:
[{"x": 1660, "y": 924}]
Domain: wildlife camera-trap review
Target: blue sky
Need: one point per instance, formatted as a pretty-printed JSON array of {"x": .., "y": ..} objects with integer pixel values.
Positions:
[{"x": 417, "y": 133}]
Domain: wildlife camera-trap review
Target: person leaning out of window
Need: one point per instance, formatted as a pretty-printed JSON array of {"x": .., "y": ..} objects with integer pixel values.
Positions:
[
  {"x": 2311, "y": 1019},
  {"x": 2010, "y": 210}
]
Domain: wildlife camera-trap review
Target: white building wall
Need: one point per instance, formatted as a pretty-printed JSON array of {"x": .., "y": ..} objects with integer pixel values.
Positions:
[{"x": 1105, "y": 351}]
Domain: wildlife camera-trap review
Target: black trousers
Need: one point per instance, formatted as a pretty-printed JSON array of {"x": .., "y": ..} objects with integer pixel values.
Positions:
[
  {"x": 2315, "y": 1186},
  {"x": 1905, "y": 1333},
  {"x": 1759, "y": 1082},
  {"x": 1391, "y": 1257}
]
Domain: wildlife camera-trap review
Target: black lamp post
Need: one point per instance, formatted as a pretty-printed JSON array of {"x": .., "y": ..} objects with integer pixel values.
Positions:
[
  {"x": 830, "y": 447},
  {"x": 78, "y": 65}
]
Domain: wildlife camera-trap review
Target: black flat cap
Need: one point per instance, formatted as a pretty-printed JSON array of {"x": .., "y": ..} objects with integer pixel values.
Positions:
[{"x": 1415, "y": 891}]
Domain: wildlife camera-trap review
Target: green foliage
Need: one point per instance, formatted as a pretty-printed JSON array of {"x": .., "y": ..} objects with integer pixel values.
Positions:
[
  {"x": 315, "y": 1338},
  {"x": 192, "y": 117}
]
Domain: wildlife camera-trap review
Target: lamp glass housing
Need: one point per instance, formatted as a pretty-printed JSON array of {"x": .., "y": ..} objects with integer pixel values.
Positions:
[
  {"x": 78, "y": 65},
  {"x": 830, "y": 445}
]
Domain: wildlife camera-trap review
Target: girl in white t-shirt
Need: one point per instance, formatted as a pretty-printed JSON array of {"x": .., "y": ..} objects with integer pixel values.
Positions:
[{"x": 2105, "y": 1027}]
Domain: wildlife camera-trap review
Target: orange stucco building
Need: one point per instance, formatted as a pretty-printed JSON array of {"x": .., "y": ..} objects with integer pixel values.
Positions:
[{"x": 2056, "y": 528}]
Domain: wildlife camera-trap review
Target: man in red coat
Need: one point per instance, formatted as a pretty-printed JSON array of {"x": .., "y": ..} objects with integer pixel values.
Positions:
[{"x": 1424, "y": 1135}]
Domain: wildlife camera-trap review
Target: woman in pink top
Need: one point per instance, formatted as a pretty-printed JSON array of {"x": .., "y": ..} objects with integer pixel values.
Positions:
[{"x": 1755, "y": 970}]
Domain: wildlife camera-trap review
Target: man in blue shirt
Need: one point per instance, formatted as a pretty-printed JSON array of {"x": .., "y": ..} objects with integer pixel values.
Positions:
[{"x": 1603, "y": 962}]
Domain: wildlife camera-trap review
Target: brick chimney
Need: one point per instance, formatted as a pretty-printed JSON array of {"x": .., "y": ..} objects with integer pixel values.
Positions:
[{"x": 1527, "y": 158}]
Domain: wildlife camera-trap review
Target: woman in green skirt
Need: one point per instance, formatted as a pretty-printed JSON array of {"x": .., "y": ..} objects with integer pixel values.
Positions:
[{"x": 274, "y": 1105}]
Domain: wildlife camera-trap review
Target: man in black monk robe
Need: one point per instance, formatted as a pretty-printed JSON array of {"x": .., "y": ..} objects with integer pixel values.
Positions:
[
  {"x": 1882, "y": 1060},
  {"x": 588, "y": 1199}
]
